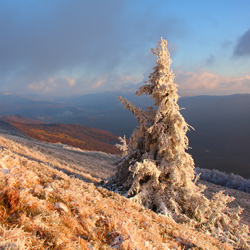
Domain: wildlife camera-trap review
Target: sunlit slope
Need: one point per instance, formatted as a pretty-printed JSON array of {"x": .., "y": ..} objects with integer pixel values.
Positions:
[
  {"x": 71, "y": 134},
  {"x": 48, "y": 201}
]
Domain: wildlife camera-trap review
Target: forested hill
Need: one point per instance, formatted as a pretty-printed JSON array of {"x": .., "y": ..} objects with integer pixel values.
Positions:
[{"x": 70, "y": 134}]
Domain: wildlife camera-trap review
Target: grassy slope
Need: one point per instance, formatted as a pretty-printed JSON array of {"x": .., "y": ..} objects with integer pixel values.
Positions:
[
  {"x": 44, "y": 208},
  {"x": 71, "y": 134}
]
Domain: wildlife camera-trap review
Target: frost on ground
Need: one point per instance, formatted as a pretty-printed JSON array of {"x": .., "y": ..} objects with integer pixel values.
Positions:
[
  {"x": 86, "y": 165},
  {"x": 227, "y": 180},
  {"x": 41, "y": 207}
]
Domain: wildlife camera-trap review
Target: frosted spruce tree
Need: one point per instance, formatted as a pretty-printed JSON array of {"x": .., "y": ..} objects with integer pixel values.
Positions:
[{"x": 157, "y": 172}]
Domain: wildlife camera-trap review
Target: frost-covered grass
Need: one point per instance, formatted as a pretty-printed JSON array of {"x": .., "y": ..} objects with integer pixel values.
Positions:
[
  {"x": 220, "y": 178},
  {"x": 44, "y": 208},
  {"x": 86, "y": 165}
]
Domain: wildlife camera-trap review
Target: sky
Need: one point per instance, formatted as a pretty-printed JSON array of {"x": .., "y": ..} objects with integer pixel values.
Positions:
[{"x": 62, "y": 48}]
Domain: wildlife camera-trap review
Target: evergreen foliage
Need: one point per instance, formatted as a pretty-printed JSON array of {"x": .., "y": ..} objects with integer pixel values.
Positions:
[{"x": 158, "y": 173}]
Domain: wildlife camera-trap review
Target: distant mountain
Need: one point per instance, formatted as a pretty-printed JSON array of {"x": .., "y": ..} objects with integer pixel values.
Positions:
[
  {"x": 221, "y": 139},
  {"x": 42, "y": 110},
  {"x": 101, "y": 111},
  {"x": 104, "y": 111}
]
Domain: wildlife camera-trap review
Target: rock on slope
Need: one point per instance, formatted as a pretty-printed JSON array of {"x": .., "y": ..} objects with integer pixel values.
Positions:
[{"x": 48, "y": 201}]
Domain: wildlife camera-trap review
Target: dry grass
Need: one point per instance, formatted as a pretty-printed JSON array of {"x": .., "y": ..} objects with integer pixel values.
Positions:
[
  {"x": 86, "y": 165},
  {"x": 43, "y": 208}
]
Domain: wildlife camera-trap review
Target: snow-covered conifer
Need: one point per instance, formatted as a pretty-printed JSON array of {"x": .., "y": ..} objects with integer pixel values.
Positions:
[
  {"x": 158, "y": 173},
  {"x": 123, "y": 146}
]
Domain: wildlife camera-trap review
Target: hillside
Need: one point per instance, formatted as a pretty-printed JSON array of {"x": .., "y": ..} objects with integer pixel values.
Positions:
[
  {"x": 70, "y": 134},
  {"x": 9, "y": 129},
  {"x": 49, "y": 201},
  {"x": 20, "y": 119}
]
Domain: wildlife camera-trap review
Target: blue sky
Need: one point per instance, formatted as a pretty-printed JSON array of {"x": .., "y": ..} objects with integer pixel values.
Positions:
[{"x": 71, "y": 47}]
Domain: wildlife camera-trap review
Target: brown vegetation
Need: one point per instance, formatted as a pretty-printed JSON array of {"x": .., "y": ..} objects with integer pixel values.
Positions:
[
  {"x": 43, "y": 208},
  {"x": 71, "y": 134}
]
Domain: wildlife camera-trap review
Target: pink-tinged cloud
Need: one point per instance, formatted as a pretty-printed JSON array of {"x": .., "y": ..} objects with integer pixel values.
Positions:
[
  {"x": 52, "y": 85},
  {"x": 65, "y": 86},
  {"x": 202, "y": 82},
  {"x": 108, "y": 82}
]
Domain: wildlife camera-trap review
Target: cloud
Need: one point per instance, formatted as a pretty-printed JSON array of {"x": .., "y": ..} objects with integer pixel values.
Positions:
[
  {"x": 199, "y": 82},
  {"x": 205, "y": 82},
  {"x": 56, "y": 36},
  {"x": 107, "y": 82},
  {"x": 210, "y": 60},
  {"x": 78, "y": 39},
  {"x": 61, "y": 86},
  {"x": 52, "y": 86},
  {"x": 243, "y": 45},
  {"x": 226, "y": 44}
]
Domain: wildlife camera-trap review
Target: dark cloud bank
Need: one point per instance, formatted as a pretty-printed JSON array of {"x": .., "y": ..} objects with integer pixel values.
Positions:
[
  {"x": 243, "y": 46},
  {"x": 41, "y": 39}
]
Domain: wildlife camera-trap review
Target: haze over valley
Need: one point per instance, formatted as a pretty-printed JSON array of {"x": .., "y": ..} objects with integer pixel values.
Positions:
[{"x": 220, "y": 140}]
